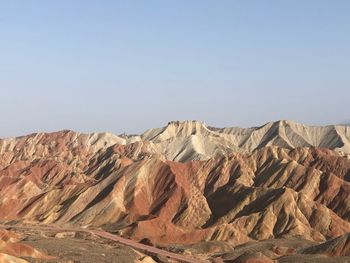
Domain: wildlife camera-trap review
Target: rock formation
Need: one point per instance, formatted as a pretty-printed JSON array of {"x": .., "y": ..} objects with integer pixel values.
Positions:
[{"x": 185, "y": 183}]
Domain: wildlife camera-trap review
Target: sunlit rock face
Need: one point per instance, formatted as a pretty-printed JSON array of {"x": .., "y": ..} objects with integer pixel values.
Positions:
[{"x": 184, "y": 183}]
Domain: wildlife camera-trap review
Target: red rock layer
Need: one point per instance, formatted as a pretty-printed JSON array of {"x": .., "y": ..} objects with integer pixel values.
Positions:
[{"x": 269, "y": 193}]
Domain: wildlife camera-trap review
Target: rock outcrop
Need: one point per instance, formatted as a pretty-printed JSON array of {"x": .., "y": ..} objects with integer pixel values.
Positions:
[
  {"x": 184, "y": 183},
  {"x": 11, "y": 249}
]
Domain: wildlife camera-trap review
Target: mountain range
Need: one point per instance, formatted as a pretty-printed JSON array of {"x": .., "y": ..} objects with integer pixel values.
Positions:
[{"x": 187, "y": 184}]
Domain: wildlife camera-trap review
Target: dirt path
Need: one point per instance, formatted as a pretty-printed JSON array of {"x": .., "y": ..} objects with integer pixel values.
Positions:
[{"x": 106, "y": 235}]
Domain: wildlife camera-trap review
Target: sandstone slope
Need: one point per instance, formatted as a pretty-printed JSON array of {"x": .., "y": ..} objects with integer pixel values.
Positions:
[{"x": 184, "y": 183}]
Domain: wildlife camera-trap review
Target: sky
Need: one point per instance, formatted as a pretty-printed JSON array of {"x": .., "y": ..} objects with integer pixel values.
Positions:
[{"x": 126, "y": 66}]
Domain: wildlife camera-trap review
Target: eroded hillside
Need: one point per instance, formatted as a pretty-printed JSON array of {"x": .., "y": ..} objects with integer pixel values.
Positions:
[{"x": 185, "y": 183}]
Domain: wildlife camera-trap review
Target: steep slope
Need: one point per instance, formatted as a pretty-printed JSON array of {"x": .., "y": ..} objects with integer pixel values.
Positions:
[
  {"x": 193, "y": 140},
  {"x": 184, "y": 183},
  {"x": 339, "y": 246},
  {"x": 269, "y": 193},
  {"x": 181, "y": 141}
]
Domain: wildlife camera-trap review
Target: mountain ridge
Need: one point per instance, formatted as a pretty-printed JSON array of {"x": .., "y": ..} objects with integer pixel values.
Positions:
[
  {"x": 193, "y": 140},
  {"x": 186, "y": 183}
]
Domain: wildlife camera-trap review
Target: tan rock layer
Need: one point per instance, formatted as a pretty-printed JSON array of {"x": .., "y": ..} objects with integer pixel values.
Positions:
[{"x": 126, "y": 184}]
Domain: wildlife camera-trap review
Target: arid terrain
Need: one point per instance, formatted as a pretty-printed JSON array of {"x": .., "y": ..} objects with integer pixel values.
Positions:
[{"x": 275, "y": 193}]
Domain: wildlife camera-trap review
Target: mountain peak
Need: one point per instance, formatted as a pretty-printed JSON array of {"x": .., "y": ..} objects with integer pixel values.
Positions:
[{"x": 185, "y": 123}]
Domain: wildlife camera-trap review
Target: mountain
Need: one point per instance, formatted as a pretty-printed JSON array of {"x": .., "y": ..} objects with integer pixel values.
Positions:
[
  {"x": 187, "y": 183},
  {"x": 193, "y": 140}
]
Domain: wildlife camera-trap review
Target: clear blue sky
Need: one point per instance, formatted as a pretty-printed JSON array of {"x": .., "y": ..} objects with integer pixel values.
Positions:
[{"x": 130, "y": 65}]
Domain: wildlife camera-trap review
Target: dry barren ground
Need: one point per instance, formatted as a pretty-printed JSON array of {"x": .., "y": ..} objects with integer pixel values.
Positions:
[{"x": 83, "y": 246}]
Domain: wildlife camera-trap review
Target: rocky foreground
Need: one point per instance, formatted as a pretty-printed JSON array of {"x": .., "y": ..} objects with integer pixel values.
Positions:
[{"x": 207, "y": 192}]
